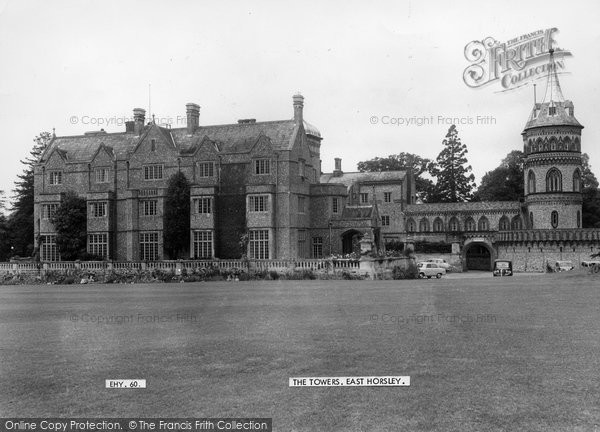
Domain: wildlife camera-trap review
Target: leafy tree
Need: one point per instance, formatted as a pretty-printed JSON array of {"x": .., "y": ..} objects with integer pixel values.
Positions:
[
  {"x": 590, "y": 212},
  {"x": 5, "y": 239},
  {"x": 70, "y": 222},
  {"x": 21, "y": 223},
  {"x": 504, "y": 183},
  {"x": 455, "y": 181},
  {"x": 403, "y": 161},
  {"x": 177, "y": 216}
]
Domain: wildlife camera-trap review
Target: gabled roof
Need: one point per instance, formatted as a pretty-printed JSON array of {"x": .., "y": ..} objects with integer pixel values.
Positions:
[
  {"x": 83, "y": 148},
  {"x": 357, "y": 212},
  {"x": 240, "y": 138},
  {"x": 349, "y": 179},
  {"x": 228, "y": 138}
]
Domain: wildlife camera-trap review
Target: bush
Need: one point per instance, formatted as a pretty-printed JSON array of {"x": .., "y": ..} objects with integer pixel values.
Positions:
[
  {"x": 433, "y": 247},
  {"x": 409, "y": 273}
]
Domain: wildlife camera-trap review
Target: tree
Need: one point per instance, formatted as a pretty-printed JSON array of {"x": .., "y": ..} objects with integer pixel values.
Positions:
[
  {"x": 504, "y": 183},
  {"x": 177, "y": 216},
  {"x": 21, "y": 223},
  {"x": 455, "y": 181},
  {"x": 402, "y": 161},
  {"x": 590, "y": 211},
  {"x": 70, "y": 223},
  {"x": 5, "y": 239}
]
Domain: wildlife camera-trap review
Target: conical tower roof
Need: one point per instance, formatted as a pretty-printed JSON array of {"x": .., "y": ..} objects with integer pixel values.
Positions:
[{"x": 554, "y": 110}]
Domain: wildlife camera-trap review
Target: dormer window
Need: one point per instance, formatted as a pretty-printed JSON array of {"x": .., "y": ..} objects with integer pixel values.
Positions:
[
  {"x": 262, "y": 166},
  {"x": 101, "y": 175},
  {"x": 153, "y": 172},
  {"x": 206, "y": 169},
  {"x": 55, "y": 177},
  {"x": 552, "y": 110}
]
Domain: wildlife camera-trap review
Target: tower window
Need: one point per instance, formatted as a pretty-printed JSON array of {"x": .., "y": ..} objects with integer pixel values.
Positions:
[
  {"x": 554, "y": 219},
  {"x": 531, "y": 220},
  {"x": 553, "y": 181},
  {"x": 531, "y": 182},
  {"x": 576, "y": 181},
  {"x": 552, "y": 110}
]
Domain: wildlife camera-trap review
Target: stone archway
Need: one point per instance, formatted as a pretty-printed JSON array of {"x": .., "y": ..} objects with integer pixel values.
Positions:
[
  {"x": 350, "y": 241},
  {"x": 478, "y": 256}
]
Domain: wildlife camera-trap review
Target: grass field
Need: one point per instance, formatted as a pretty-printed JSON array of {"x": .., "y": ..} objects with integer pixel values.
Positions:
[{"x": 531, "y": 363}]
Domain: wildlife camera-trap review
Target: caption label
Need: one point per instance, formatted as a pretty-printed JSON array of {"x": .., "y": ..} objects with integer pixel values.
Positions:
[
  {"x": 362, "y": 381},
  {"x": 126, "y": 383}
]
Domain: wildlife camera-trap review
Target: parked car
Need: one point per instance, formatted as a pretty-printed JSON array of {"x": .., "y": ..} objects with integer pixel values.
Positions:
[
  {"x": 440, "y": 262},
  {"x": 430, "y": 269},
  {"x": 562, "y": 266},
  {"x": 594, "y": 266},
  {"x": 502, "y": 268}
]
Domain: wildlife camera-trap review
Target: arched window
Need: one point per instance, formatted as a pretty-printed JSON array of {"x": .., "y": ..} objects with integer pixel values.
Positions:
[
  {"x": 552, "y": 143},
  {"x": 504, "y": 224},
  {"x": 576, "y": 144},
  {"x": 483, "y": 224},
  {"x": 424, "y": 225},
  {"x": 531, "y": 182},
  {"x": 516, "y": 223},
  {"x": 453, "y": 224},
  {"x": 438, "y": 225},
  {"x": 554, "y": 219},
  {"x": 410, "y": 225},
  {"x": 576, "y": 181},
  {"x": 538, "y": 145},
  {"x": 469, "y": 224},
  {"x": 578, "y": 219},
  {"x": 553, "y": 180},
  {"x": 567, "y": 142},
  {"x": 530, "y": 220}
]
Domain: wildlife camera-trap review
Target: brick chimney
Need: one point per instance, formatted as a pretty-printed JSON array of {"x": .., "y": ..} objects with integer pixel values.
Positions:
[
  {"x": 139, "y": 117},
  {"x": 337, "y": 172},
  {"x": 298, "y": 106},
  {"x": 193, "y": 117}
]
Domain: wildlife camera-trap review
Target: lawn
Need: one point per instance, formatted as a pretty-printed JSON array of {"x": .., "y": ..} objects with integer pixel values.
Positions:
[{"x": 483, "y": 354}]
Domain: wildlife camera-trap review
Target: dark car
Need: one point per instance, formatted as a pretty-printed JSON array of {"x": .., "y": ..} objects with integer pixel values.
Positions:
[{"x": 503, "y": 268}]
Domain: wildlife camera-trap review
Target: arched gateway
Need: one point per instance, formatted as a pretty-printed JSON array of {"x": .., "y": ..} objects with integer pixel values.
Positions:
[{"x": 478, "y": 255}]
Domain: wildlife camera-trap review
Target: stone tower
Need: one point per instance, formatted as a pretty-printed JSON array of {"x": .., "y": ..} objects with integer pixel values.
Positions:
[{"x": 552, "y": 168}]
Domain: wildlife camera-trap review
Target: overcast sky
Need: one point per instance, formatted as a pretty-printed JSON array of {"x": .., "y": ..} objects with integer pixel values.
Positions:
[{"x": 66, "y": 64}]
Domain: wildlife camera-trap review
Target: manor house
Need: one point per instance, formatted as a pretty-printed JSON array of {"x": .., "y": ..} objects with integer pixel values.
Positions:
[{"x": 256, "y": 189}]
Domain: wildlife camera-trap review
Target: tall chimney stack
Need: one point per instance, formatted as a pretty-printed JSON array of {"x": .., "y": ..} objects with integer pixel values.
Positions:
[
  {"x": 298, "y": 106},
  {"x": 193, "y": 117},
  {"x": 139, "y": 117},
  {"x": 337, "y": 172}
]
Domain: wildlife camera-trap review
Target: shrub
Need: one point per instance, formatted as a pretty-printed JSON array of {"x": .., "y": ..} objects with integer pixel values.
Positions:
[
  {"x": 433, "y": 247},
  {"x": 411, "y": 272}
]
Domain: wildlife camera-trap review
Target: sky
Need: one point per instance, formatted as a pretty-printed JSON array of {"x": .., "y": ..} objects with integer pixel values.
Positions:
[{"x": 79, "y": 66}]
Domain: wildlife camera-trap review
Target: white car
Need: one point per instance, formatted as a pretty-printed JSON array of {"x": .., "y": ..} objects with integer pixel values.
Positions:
[
  {"x": 430, "y": 269},
  {"x": 440, "y": 263}
]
